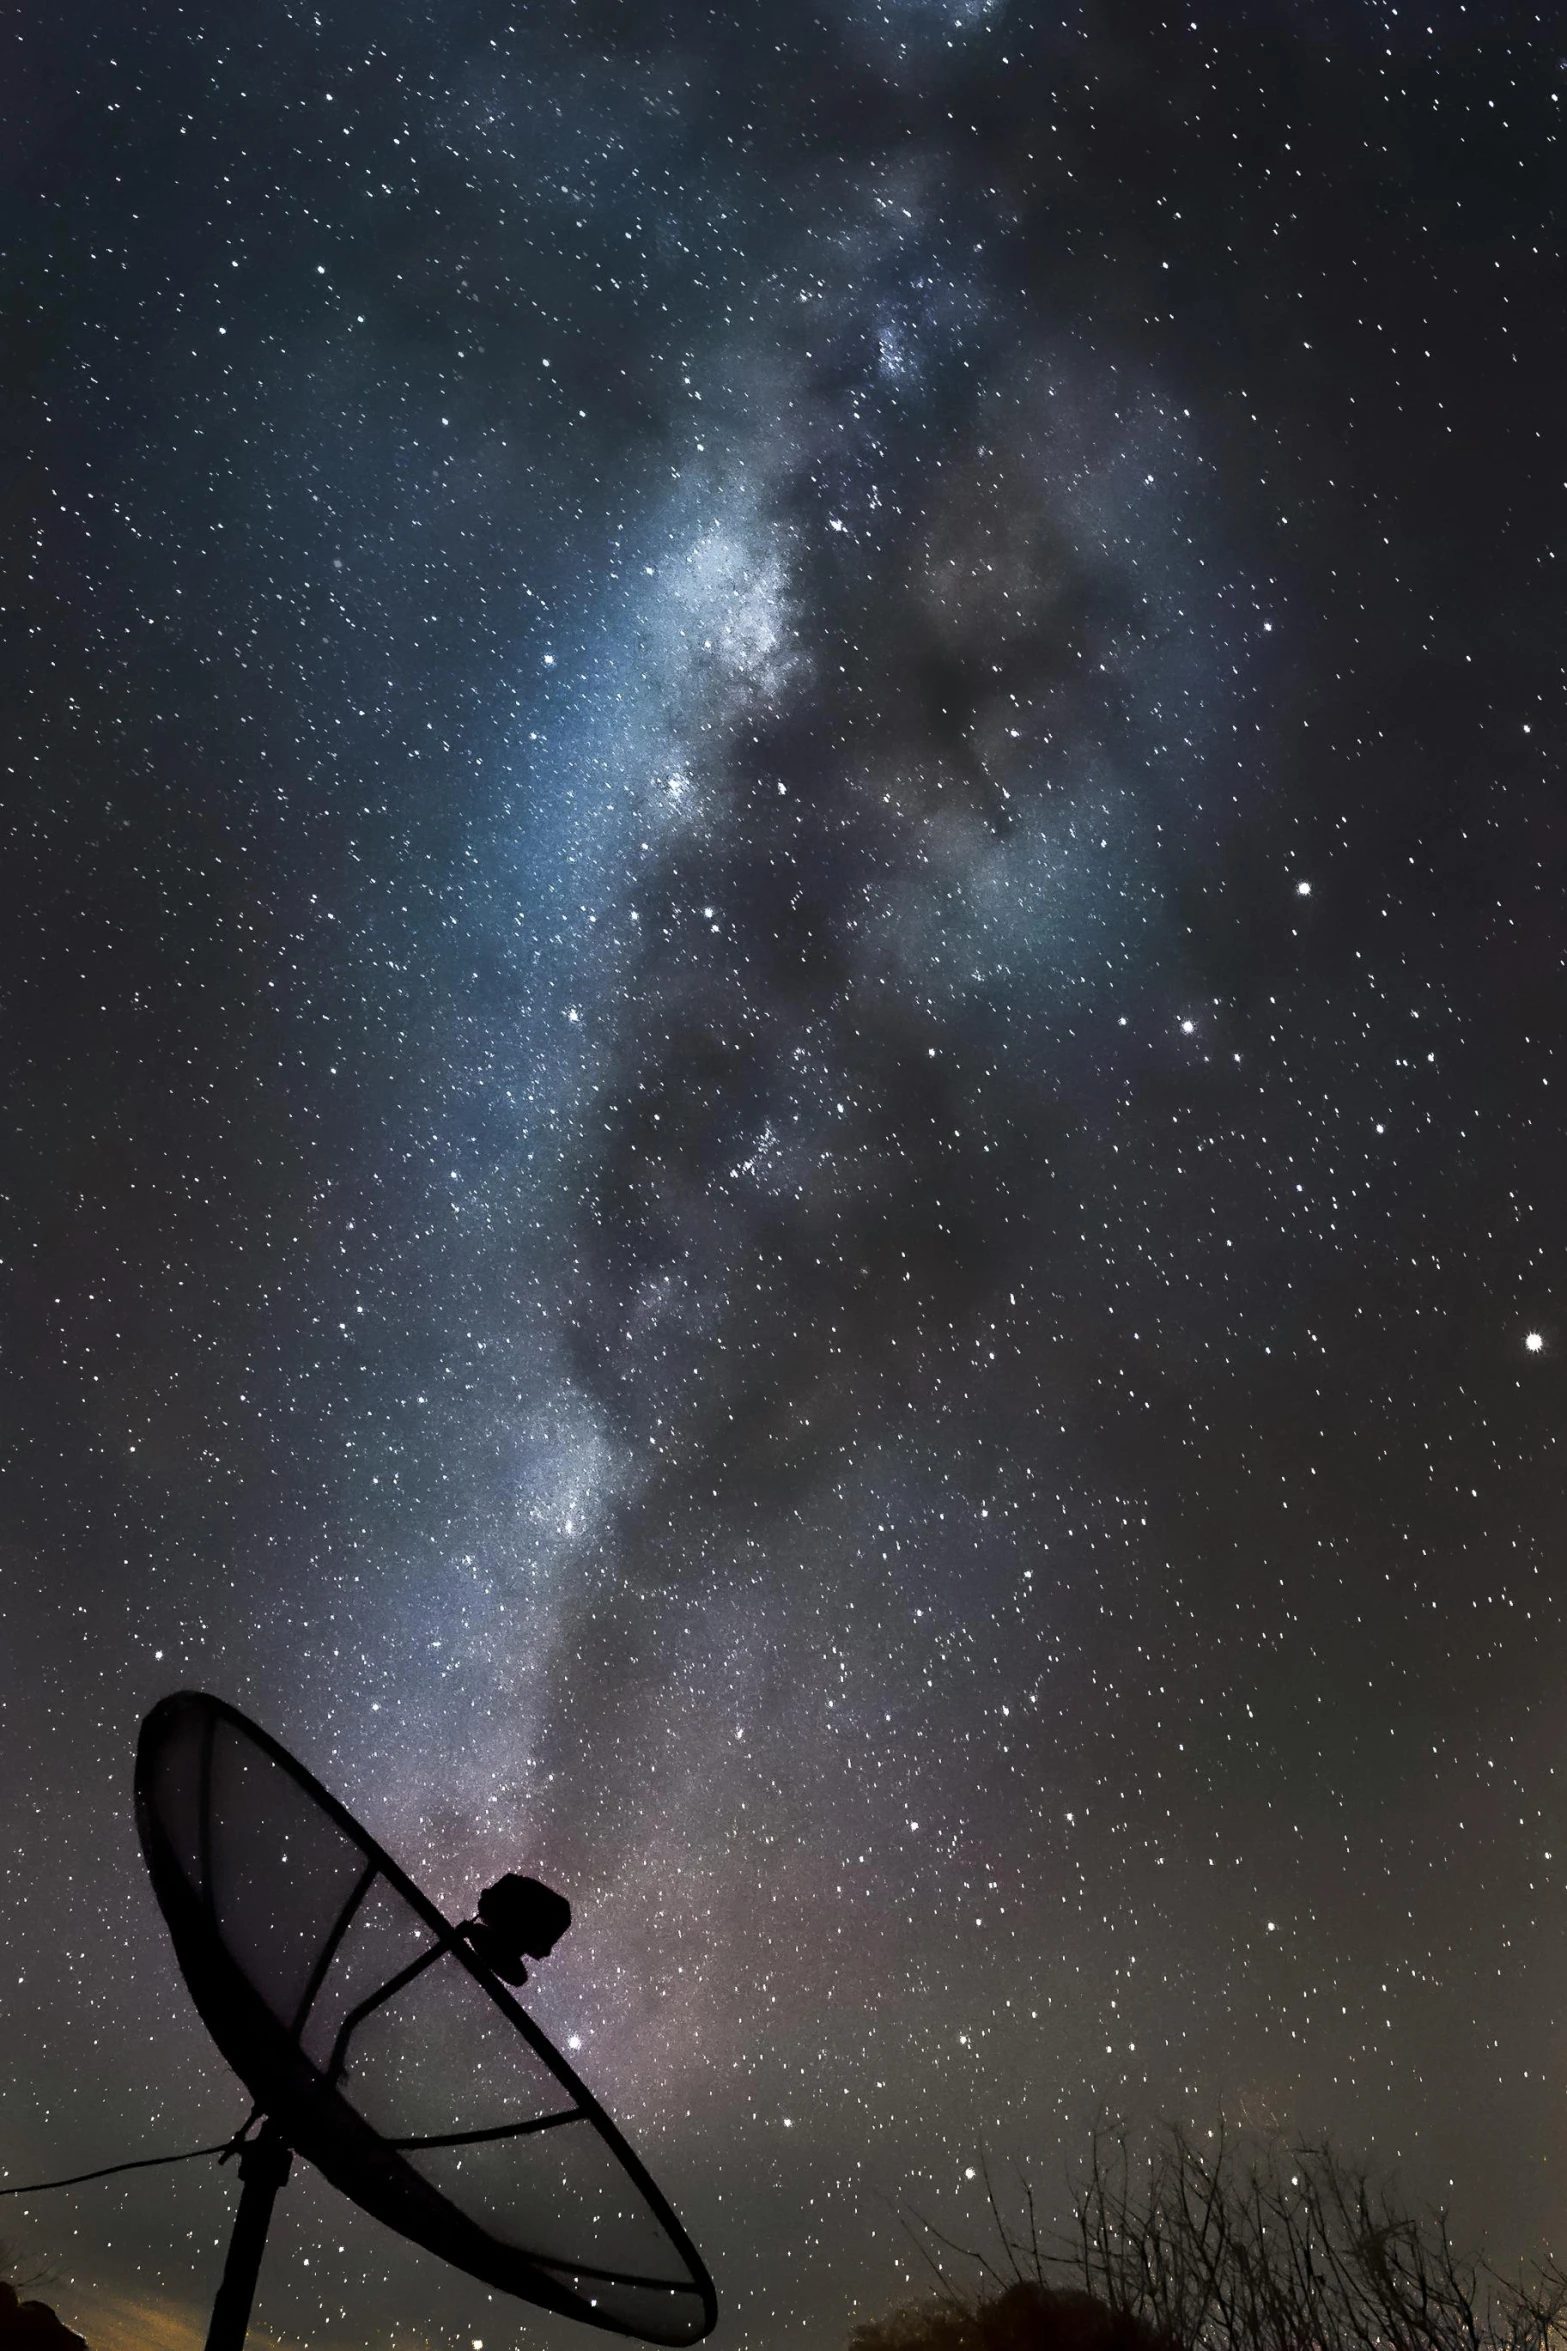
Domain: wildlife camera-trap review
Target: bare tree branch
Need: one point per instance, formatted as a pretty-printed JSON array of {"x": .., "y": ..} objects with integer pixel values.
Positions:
[{"x": 1250, "y": 2244}]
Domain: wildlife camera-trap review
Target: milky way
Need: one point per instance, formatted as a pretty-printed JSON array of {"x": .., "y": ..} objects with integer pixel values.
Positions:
[{"x": 782, "y": 975}]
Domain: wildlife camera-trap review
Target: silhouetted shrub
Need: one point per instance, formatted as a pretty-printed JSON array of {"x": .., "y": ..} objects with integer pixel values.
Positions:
[
  {"x": 1027, "y": 2316},
  {"x": 1223, "y": 2246},
  {"x": 32, "y": 2326}
]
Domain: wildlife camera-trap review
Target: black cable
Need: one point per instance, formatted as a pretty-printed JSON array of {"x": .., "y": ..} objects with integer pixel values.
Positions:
[{"x": 141, "y": 2163}]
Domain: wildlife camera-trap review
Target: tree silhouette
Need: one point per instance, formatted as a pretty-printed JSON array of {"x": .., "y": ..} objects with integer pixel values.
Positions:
[
  {"x": 32, "y": 2326},
  {"x": 1027, "y": 2316},
  {"x": 1223, "y": 2245}
]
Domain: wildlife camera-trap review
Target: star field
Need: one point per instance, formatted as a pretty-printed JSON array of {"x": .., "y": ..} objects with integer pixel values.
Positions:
[{"x": 784, "y": 1005}]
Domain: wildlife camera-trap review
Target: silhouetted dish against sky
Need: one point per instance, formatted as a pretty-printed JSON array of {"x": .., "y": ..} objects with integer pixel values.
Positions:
[{"x": 383, "y": 2047}]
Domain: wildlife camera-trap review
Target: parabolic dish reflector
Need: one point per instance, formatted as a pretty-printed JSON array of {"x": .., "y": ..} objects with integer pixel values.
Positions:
[{"x": 382, "y": 2047}]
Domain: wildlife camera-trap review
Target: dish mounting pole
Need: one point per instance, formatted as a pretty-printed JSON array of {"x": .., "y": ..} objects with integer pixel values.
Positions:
[{"x": 263, "y": 2167}]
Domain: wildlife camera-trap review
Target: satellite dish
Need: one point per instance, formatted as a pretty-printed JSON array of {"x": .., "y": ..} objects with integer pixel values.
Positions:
[{"x": 378, "y": 2041}]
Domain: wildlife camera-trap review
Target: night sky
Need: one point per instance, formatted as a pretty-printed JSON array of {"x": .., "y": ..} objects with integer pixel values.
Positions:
[{"x": 783, "y": 1005}]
